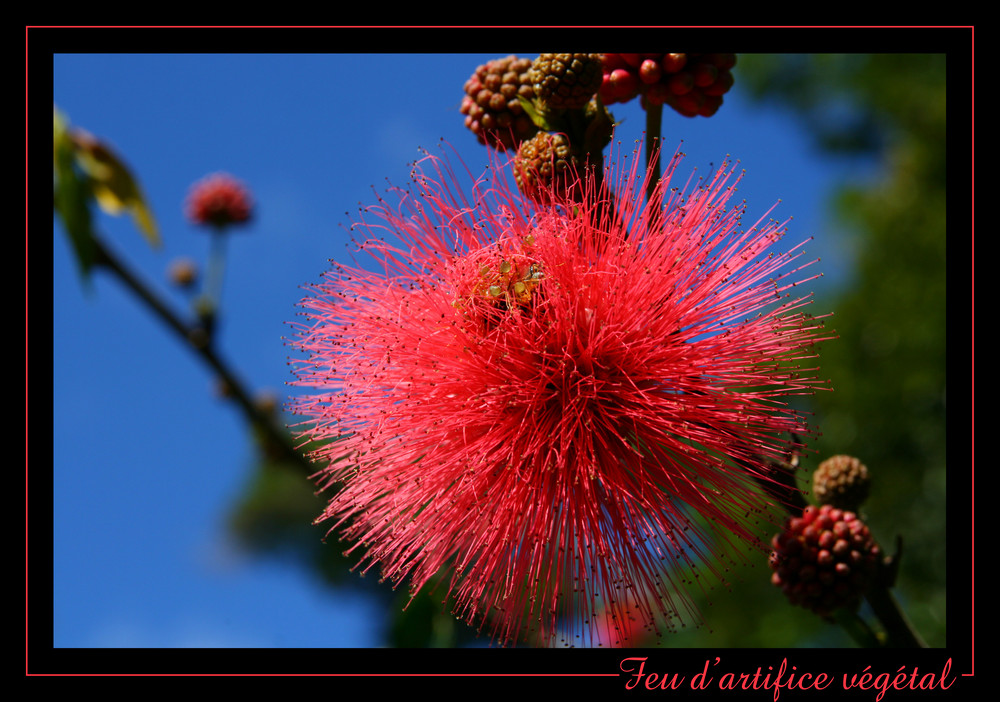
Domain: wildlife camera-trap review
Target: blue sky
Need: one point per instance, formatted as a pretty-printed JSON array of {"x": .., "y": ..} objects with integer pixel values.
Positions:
[{"x": 147, "y": 462}]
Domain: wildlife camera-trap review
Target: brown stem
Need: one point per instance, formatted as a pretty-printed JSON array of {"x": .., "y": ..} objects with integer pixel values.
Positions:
[
  {"x": 197, "y": 338},
  {"x": 654, "y": 120},
  {"x": 899, "y": 632}
]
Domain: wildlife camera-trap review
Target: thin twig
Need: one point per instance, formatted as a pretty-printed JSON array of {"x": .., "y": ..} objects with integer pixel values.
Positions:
[{"x": 197, "y": 339}]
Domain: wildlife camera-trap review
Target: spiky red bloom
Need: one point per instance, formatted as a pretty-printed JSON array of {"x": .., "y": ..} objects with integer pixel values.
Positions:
[
  {"x": 551, "y": 408},
  {"x": 219, "y": 200}
]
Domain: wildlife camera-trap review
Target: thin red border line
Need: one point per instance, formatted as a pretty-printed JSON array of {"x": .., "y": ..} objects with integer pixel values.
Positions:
[
  {"x": 469, "y": 675},
  {"x": 26, "y": 349},
  {"x": 973, "y": 472},
  {"x": 973, "y": 484},
  {"x": 329, "y": 675}
]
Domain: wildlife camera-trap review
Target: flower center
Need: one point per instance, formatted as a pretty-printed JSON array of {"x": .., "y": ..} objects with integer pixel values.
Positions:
[{"x": 503, "y": 283}]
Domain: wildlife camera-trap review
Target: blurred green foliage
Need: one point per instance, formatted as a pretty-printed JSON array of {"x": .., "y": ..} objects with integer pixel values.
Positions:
[
  {"x": 888, "y": 365},
  {"x": 84, "y": 170}
]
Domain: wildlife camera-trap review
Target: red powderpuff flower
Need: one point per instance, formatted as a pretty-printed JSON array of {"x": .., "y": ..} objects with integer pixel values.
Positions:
[
  {"x": 219, "y": 200},
  {"x": 558, "y": 412}
]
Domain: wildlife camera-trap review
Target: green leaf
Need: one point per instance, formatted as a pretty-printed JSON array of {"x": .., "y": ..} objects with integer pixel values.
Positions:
[
  {"x": 114, "y": 187},
  {"x": 71, "y": 195}
]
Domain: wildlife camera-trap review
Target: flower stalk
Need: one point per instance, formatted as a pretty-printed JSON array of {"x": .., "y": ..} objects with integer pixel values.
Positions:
[
  {"x": 899, "y": 632},
  {"x": 654, "y": 122},
  {"x": 898, "y": 629}
]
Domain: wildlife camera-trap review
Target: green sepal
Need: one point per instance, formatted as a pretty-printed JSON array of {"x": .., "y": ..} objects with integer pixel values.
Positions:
[{"x": 540, "y": 120}]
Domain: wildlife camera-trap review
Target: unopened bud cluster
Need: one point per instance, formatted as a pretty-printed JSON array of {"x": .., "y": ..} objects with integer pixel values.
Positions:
[
  {"x": 552, "y": 110},
  {"x": 547, "y": 165},
  {"x": 491, "y": 107},
  {"x": 692, "y": 84},
  {"x": 841, "y": 481},
  {"x": 825, "y": 559},
  {"x": 565, "y": 81}
]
